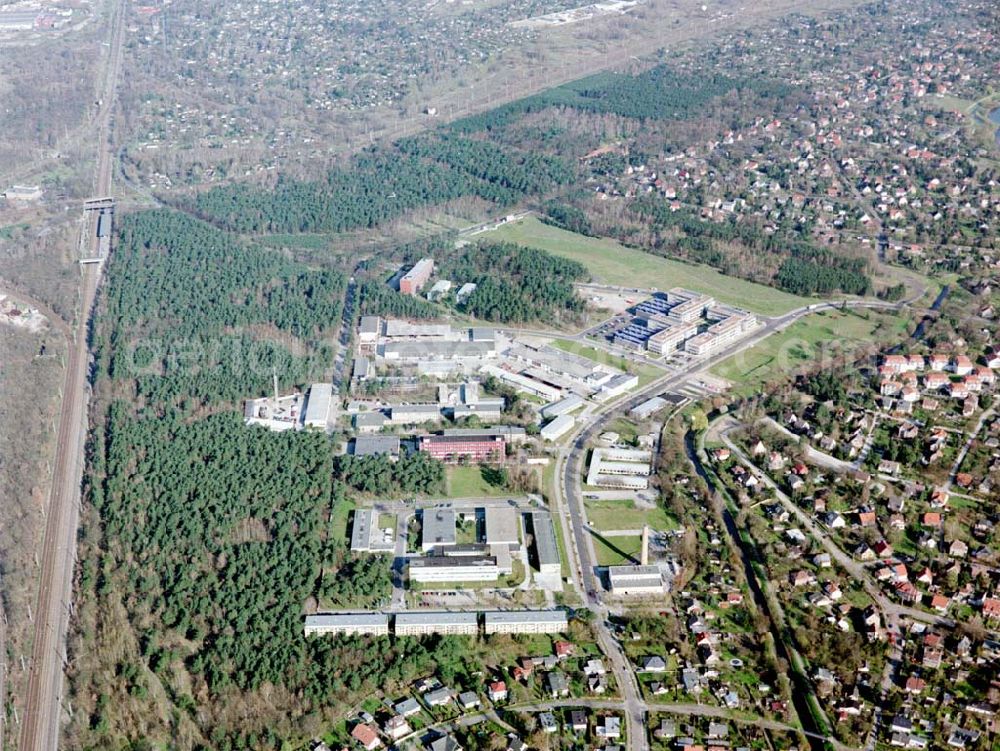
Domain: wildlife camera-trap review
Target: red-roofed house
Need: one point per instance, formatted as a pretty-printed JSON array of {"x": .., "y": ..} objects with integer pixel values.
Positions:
[{"x": 366, "y": 736}]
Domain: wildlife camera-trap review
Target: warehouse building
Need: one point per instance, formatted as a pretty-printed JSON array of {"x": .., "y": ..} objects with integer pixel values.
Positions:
[
  {"x": 347, "y": 623},
  {"x": 369, "y": 330},
  {"x": 361, "y": 370},
  {"x": 635, "y": 580},
  {"x": 455, "y": 568},
  {"x": 413, "y": 414},
  {"x": 488, "y": 408},
  {"x": 413, "y": 280},
  {"x": 544, "y": 547},
  {"x": 648, "y": 408},
  {"x": 419, "y": 624},
  {"x": 559, "y": 427},
  {"x": 525, "y": 621},
  {"x": 617, "y": 386},
  {"x": 620, "y": 468},
  {"x": 565, "y": 406},
  {"x": 369, "y": 422},
  {"x": 501, "y": 526},
  {"x": 453, "y": 447},
  {"x": 437, "y": 350},
  {"x": 437, "y": 527},
  {"x": 317, "y": 413},
  {"x": 523, "y": 383},
  {"x": 374, "y": 445},
  {"x": 397, "y": 328}
]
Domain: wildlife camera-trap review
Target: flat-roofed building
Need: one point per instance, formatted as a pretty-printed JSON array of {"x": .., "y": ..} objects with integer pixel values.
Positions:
[
  {"x": 437, "y": 528},
  {"x": 523, "y": 382},
  {"x": 372, "y": 445},
  {"x": 454, "y": 447},
  {"x": 436, "y": 622},
  {"x": 317, "y": 412},
  {"x": 620, "y": 468},
  {"x": 444, "y": 349},
  {"x": 413, "y": 414},
  {"x": 369, "y": 330},
  {"x": 347, "y": 623},
  {"x": 413, "y": 280},
  {"x": 488, "y": 408},
  {"x": 397, "y": 328},
  {"x": 361, "y": 530},
  {"x": 501, "y": 526},
  {"x": 669, "y": 339},
  {"x": 525, "y": 621},
  {"x": 562, "y": 407},
  {"x": 454, "y": 568},
  {"x": 544, "y": 547},
  {"x": 648, "y": 408},
  {"x": 557, "y": 428},
  {"x": 369, "y": 422},
  {"x": 635, "y": 580},
  {"x": 361, "y": 370},
  {"x": 690, "y": 310},
  {"x": 617, "y": 386}
]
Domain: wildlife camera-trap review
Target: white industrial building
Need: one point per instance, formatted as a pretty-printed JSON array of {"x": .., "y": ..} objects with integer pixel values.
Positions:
[
  {"x": 277, "y": 413},
  {"x": 733, "y": 326},
  {"x": 648, "y": 408},
  {"x": 525, "y": 621},
  {"x": 635, "y": 580},
  {"x": 617, "y": 386},
  {"x": 347, "y": 623},
  {"x": 523, "y": 382},
  {"x": 571, "y": 403},
  {"x": 455, "y": 568},
  {"x": 559, "y": 427},
  {"x": 317, "y": 413},
  {"x": 620, "y": 468},
  {"x": 419, "y": 624},
  {"x": 502, "y": 526}
]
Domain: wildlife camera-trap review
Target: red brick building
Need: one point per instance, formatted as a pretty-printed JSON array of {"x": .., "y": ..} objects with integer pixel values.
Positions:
[
  {"x": 476, "y": 448},
  {"x": 414, "y": 279}
]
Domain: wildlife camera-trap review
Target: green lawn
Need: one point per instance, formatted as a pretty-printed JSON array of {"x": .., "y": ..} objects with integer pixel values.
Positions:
[
  {"x": 815, "y": 336},
  {"x": 610, "y": 262},
  {"x": 645, "y": 372},
  {"x": 468, "y": 482},
  {"x": 611, "y": 515},
  {"x": 616, "y": 550}
]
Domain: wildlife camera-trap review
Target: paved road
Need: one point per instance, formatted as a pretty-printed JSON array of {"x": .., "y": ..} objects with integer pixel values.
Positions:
[{"x": 43, "y": 703}]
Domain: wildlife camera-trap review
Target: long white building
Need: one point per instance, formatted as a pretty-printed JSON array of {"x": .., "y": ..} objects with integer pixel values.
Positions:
[
  {"x": 438, "y": 622},
  {"x": 347, "y": 623},
  {"x": 525, "y": 621},
  {"x": 635, "y": 580}
]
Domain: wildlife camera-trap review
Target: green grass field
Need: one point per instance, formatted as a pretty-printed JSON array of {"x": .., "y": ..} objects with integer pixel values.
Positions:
[
  {"x": 610, "y": 262},
  {"x": 645, "y": 372},
  {"x": 810, "y": 338},
  {"x": 469, "y": 482},
  {"x": 612, "y": 515},
  {"x": 615, "y": 551}
]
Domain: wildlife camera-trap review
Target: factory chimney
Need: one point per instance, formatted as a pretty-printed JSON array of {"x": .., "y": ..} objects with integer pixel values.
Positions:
[{"x": 644, "y": 558}]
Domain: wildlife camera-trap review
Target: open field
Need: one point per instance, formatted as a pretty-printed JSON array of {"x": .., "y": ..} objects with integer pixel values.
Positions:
[
  {"x": 614, "y": 551},
  {"x": 469, "y": 482},
  {"x": 610, "y": 262},
  {"x": 612, "y": 515},
  {"x": 815, "y": 338},
  {"x": 645, "y": 372}
]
